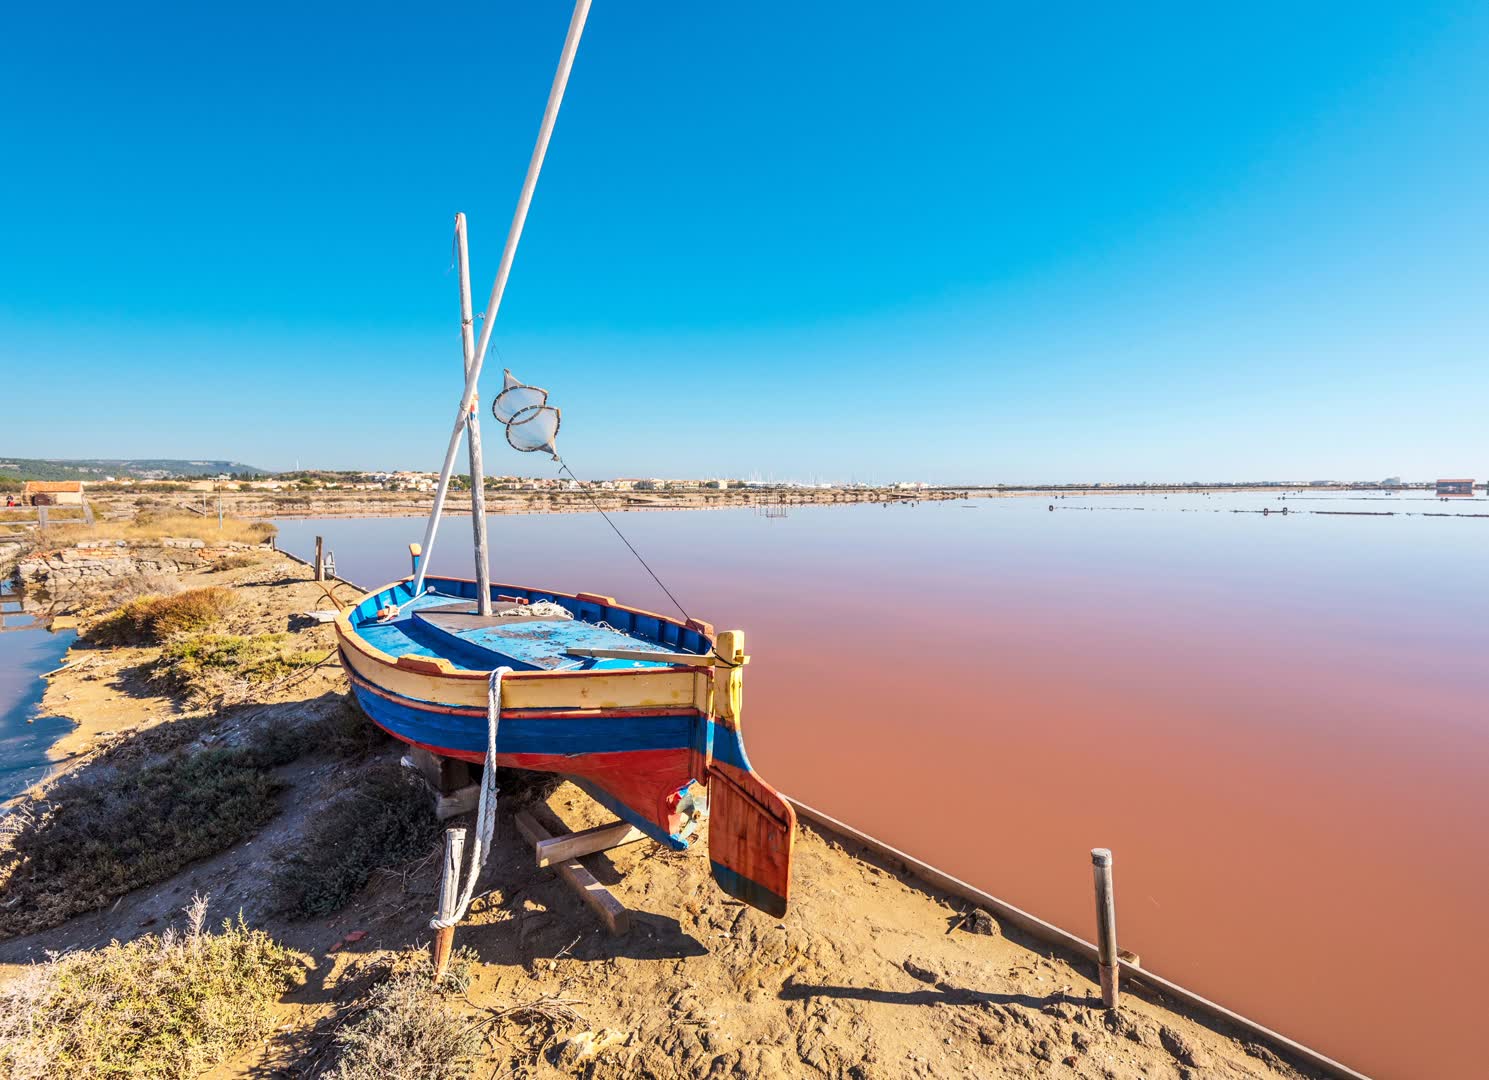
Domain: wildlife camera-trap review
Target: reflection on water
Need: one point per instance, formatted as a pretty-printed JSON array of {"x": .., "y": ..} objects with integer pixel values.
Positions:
[
  {"x": 1276, "y": 721},
  {"x": 27, "y": 649}
]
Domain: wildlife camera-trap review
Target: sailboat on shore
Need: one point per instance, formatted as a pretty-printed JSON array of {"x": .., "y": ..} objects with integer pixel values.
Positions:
[{"x": 640, "y": 710}]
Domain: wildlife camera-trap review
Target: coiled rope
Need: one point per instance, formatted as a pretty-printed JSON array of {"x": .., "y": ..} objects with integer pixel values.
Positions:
[{"x": 485, "y": 809}]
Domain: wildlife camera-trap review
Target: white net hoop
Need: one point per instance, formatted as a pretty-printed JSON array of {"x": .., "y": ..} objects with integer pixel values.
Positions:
[{"x": 531, "y": 423}]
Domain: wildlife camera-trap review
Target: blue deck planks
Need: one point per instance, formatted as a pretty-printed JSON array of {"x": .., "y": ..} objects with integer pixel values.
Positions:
[{"x": 522, "y": 643}]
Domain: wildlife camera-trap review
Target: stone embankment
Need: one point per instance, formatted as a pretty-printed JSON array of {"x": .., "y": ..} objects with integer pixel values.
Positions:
[{"x": 90, "y": 561}]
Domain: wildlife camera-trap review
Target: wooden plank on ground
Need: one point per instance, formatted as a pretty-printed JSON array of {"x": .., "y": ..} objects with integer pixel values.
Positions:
[
  {"x": 604, "y": 904},
  {"x": 577, "y": 845}
]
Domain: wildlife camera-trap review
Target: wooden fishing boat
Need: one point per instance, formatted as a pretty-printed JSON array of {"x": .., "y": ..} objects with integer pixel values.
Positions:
[{"x": 640, "y": 710}]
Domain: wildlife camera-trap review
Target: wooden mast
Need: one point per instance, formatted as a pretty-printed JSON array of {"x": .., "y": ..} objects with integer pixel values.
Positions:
[
  {"x": 473, "y": 428},
  {"x": 514, "y": 234}
]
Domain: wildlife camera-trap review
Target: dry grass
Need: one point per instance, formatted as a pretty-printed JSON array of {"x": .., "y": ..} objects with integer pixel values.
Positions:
[
  {"x": 230, "y": 667},
  {"x": 407, "y": 1030},
  {"x": 383, "y": 819},
  {"x": 154, "y": 619},
  {"x": 241, "y": 561},
  {"x": 157, "y": 525},
  {"x": 28, "y": 514},
  {"x": 158, "y": 1007}
]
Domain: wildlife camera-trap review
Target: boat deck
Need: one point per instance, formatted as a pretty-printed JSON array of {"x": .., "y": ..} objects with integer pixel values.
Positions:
[{"x": 436, "y": 625}]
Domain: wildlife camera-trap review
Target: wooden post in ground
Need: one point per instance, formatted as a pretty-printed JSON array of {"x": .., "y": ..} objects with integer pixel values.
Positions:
[
  {"x": 320, "y": 559},
  {"x": 1106, "y": 925},
  {"x": 449, "y": 896}
]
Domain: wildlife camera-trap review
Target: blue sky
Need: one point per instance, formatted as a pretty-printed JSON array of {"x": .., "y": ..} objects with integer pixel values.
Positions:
[{"x": 958, "y": 242}]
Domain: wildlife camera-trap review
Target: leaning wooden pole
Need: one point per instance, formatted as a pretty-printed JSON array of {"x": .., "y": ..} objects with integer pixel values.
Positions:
[
  {"x": 1106, "y": 926},
  {"x": 503, "y": 271},
  {"x": 473, "y": 428}
]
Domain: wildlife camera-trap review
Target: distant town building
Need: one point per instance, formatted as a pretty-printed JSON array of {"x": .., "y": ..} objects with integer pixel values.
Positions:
[
  {"x": 52, "y": 493},
  {"x": 1455, "y": 487},
  {"x": 412, "y": 481}
]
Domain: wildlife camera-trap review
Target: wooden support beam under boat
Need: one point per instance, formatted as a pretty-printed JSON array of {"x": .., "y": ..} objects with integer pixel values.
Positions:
[
  {"x": 611, "y": 911},
  {"x": 445, "y": 775},
  {"x": 588, "y": 842}
]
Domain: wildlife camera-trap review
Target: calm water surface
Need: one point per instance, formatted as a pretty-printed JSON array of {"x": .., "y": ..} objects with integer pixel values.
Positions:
[
  {"x": 1279, "y": 724},
  {"x": 26, "y": 650}
]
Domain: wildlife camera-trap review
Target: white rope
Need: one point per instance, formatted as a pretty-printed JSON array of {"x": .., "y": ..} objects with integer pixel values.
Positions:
[
  {"x": 543, "y": 609},
  {"x": 485, "y": 809}
]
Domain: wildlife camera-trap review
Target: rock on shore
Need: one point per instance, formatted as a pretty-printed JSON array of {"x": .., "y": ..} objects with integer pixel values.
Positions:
[{"x": 96, "y": 560}]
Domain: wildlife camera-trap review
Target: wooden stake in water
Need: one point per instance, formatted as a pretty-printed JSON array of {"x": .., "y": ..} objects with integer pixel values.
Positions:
[
  {"x": 449, "y": 897},
  {"x": 1106, "y": 925},
  {"x": 473, "y": 429}
]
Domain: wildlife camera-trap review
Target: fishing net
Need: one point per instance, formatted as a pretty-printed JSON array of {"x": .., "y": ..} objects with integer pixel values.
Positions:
[{"x": 531, "y": 423}]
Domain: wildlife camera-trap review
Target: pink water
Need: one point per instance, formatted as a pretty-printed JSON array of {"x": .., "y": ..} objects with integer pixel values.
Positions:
[{"x": 1280, "y": 725}]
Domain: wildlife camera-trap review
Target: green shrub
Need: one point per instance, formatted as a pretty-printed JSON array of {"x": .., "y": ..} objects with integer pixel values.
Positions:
[
  {"x": 153, "y": 619},
  {"x": 158, "y": 1007},
  {"x": 208, "y": 665},
  {"x": 383, "y": 819},
  {"x": 93, "y": 841}
]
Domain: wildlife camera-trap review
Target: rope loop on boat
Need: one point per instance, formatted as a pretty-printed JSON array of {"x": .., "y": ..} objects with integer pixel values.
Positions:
[{"x": 485, "y": 809}]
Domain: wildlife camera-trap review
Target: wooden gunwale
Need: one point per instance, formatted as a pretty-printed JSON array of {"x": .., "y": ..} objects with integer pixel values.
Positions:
[
  {"x": 350, "y": 637},
  {"x": 581, "y": 712}
]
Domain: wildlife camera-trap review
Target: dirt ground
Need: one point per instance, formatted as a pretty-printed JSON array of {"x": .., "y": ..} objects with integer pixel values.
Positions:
[{"x": 869, "y": 974}]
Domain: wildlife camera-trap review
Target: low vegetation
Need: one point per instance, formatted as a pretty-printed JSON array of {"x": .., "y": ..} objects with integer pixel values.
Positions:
[
  {"x": 150, "y": 620},
  {"x": 157, "y": 801},
  {"x": 91, "y": 842},
  {"x": 408, "y": 1030},
  {"x": 383, "y": 819},
  {"x": 228, "y": 666},
  {"x": 242, "y": 560},
  {"x": 343, "y": 732},
  {"x": 167, "y": 1006}
]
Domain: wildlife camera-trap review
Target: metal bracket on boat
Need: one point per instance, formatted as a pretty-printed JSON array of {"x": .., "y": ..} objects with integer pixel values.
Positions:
[{"x": 685, "y": 659}]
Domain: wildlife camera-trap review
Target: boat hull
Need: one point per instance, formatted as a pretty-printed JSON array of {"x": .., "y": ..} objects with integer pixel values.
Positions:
[{"x": 642, "y": 742}]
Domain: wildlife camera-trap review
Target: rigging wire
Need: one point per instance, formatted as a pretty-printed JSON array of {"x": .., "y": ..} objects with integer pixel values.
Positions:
[{"x": 563, "y": 467}]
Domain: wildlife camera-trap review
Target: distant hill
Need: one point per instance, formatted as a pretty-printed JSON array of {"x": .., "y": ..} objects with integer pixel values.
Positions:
[{"x": 119, "y": 468}]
